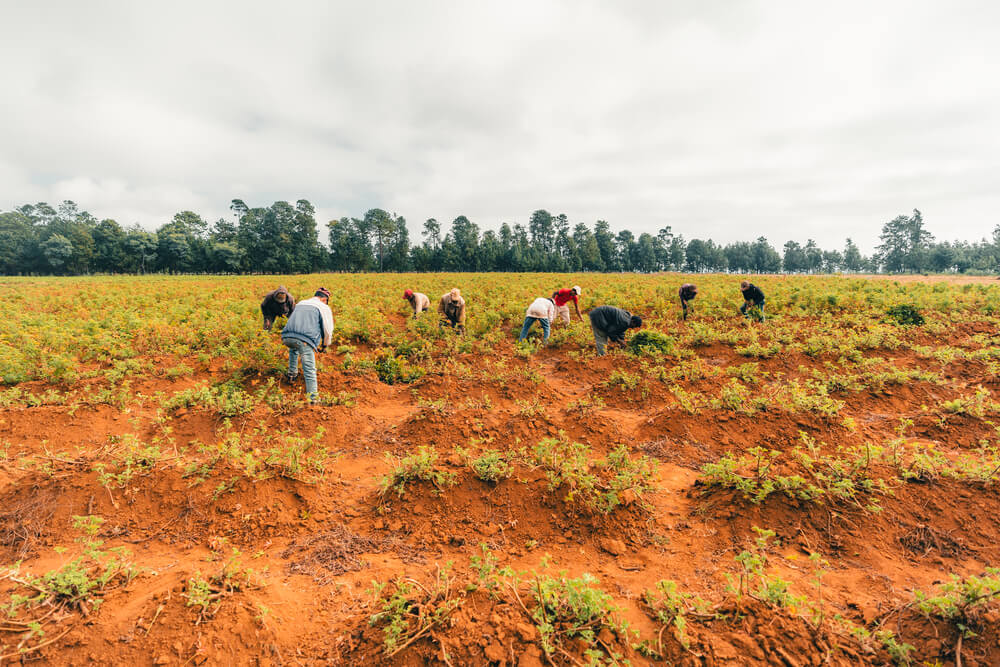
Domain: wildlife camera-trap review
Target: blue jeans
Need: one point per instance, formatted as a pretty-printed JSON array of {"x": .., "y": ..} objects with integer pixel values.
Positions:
[
  {"x": 296, "y": 349},
  {"x": 747, "y": 311},
  {"x": 529, "y": 321}
]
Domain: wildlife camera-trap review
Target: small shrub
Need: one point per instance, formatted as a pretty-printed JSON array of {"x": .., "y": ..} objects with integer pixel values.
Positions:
[
  {"x": 415, "y": 467},
  {"x": 905, "y": 315},
  {"x": 648, "y": 341}
]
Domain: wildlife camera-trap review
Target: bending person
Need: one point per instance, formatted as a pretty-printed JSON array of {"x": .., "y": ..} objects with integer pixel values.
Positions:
[
  {"x": 609, "y": 325},
  {"x": 308, "y": 330},
  {"x": 452, "y": 310},
  {"x": 278, "y": 303},
  {"x": 418, "y": 302},
  {"x": 687, "y": 293},
  {"x": 562, "y": 298},
  {"x": 541, "y": 310},
  {"x": 752, "y": 298}
]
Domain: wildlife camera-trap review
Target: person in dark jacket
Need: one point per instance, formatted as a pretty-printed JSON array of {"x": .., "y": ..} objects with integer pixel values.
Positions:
[
  {"x": 278, "y": 303},
  {"x": 609, "y": 324},
  {"x": 687, "y": 293},
  {"x": 752, "y": 298}
]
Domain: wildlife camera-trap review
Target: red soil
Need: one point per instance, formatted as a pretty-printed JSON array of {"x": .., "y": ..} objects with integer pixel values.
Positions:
[{"x": 320, "y": 544}]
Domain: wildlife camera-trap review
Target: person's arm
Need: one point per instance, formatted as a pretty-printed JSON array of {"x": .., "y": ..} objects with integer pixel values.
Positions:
[
  {"x": 441, "y": 308},
  {"x": 576, "y": 305},
  {"x": 290, "y": 305},
  {"x": 461, "y": 315}
]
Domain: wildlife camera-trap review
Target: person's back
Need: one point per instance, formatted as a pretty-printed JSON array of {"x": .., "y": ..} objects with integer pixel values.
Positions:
[
  {"x": 311, "y": 322},
  {"x": 610, "y": 324},
  {"x": 277, "y": 303},
  {"x": 542, "y": 308},
  {"x": 418, "y": 301},
  {"x": 752, "y": 293},
  {"x": 610, "y": 320}
]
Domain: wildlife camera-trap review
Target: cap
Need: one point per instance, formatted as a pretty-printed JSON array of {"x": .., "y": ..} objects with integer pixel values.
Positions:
[
  {"x": 322, "y": 291},
  {"x": 407, "y": 294},
  {"x": 576, "y": 288}
]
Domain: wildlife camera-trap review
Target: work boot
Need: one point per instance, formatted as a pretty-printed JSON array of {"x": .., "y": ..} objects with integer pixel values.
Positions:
[{"x": 290, "y": 379}]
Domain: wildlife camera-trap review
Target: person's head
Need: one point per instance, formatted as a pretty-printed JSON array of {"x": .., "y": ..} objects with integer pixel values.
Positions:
[
  {"x": 455, "y": 294},
  {"x": 280, "y": 296},
  {"x": 324, "y": 294},
  {"x": 635, "y": 322},
  {"x": 744, "y": 284},
  {"x": 576, "y": 290},
  {"x": 408, "y": 294}
]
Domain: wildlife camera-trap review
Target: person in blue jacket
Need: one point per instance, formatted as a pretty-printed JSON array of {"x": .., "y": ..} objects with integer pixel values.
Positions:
[{"x": 309, "y": 329}]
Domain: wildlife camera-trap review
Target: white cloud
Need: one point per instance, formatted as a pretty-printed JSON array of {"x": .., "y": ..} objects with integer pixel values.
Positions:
[{"x": 730, "y": 120}]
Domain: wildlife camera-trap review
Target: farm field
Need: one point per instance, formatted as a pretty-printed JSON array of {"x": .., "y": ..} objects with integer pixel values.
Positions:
[{"x": 818, "y": 489}]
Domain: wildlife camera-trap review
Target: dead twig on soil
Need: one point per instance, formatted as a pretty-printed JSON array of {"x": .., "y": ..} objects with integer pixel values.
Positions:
[{"x": 23, "y": 652}]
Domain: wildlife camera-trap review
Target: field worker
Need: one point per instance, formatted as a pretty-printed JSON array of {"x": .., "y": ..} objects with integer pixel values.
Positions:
[
  {"x": 541, "y": 310},
  {"x": 310, "y": 328},
  {"x": 687, "y": 293},
  {"x": 610, "y": 324},
  {"x": 562, "y": 298},
  {"x": 278, "y": 303},
  {"x": 752, "y": 296},
  {"x": 452, "y": 310},
  {"x": 418, "y": 302}
]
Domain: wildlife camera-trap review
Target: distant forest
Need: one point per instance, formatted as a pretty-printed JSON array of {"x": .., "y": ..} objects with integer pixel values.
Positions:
[{"x": 38, "y": 239}]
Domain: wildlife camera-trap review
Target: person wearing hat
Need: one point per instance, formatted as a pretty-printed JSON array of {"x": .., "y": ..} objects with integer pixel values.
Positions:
[
  {"x": 752, "y": 298},
  {"x": 609, "y": 325},
  {"x": 562, "y": 298},
  {"x": 418, "y": 302},
  {"x": 452, "y": 310},
  {"x": 278, "y": 303},
  {"x": 541, "y": 310},
  {"x": 309, "y": 329},
  {"x": 687, "y": 293}
]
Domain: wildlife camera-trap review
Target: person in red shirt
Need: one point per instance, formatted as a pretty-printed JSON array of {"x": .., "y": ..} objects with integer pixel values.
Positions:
[{"x": 562, "y": 298}]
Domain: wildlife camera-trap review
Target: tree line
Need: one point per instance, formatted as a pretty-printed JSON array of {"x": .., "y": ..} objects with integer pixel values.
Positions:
[{"x": 38, "y": 239}]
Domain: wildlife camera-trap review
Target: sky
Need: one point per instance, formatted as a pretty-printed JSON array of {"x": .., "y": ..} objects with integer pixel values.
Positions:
[{"x": 721, "y": 119}]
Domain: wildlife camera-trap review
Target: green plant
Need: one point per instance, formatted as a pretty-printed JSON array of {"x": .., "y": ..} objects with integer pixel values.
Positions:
[
  {"x": 492, "y": 466},
  {"x": 408, "y": 610},
  {"x": 80, "y": 581},
  {"x": 647, "y": 341},
  {"x": 207, "y": 593},
  {"x": 671, "y": 607},
  {"x": 601, "y": 486},
  {"x": 421, "y": 466},
  {"x": 962, "y": 601},
  {"x": 565, "y": 608},
  {"x": 392, "y": 369}
]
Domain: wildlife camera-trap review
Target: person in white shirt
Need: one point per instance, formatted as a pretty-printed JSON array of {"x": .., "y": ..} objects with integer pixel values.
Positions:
[{"x": 541, "y": 310}]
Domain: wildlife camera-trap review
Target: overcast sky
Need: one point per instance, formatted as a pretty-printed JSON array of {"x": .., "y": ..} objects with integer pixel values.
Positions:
[{"x": 730, "y": 120}]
